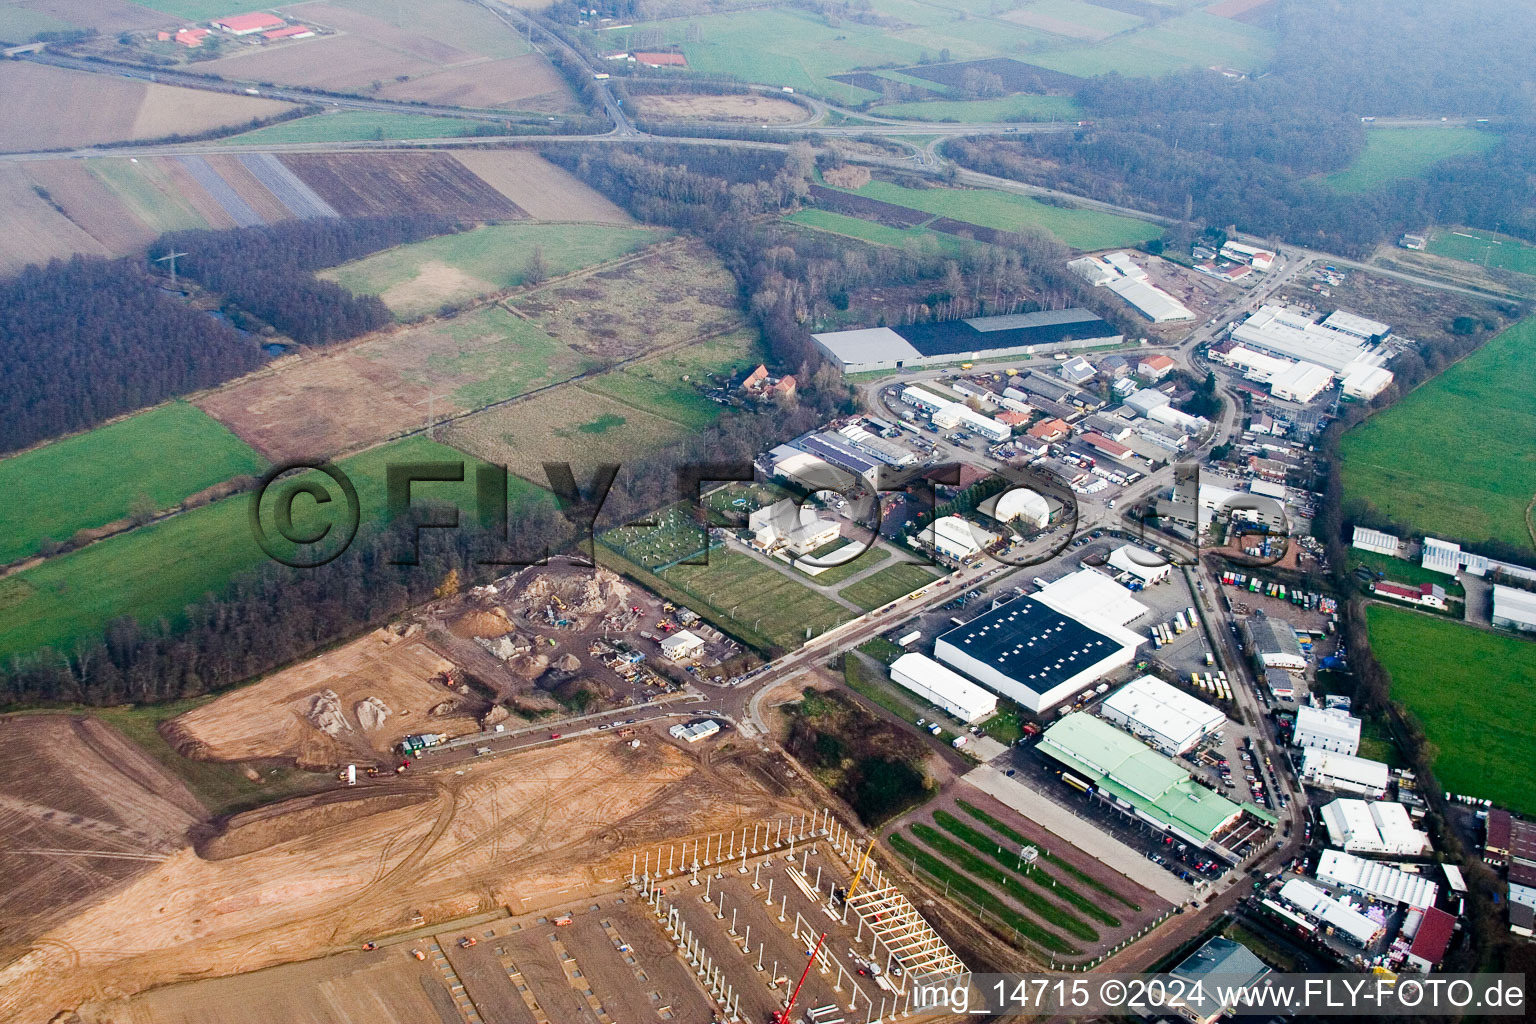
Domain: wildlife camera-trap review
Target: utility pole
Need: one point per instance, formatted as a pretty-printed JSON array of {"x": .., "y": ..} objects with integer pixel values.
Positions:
[
  {"x": 171, "y": 256},
  {"x": 431, "y": 403}
]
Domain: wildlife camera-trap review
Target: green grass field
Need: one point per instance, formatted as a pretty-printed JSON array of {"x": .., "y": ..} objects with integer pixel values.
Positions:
[
  {"x": 1477, "y": 246},
  {"x": 1019, "y": 107},
  {"x": 359, "y": 126},
  {"x": 466, "y": 26},
  {"x": 1400, "y": 570},
  {"x": 19, "y": 24},
  {"x": 158, "y": 570},
  {"x": 1392, "y": 153},
  {"x": 1081, "y": 229},
  {"x": 758, "y": 598},
  {"x": 92, "y": 479},
  {"x": 197, "y": 10},
  {"x": 888, "y": 584},
  {"x": 1474, "y": 692},
  {"x": 147, "y": 192},
  {"x": 878, "y": 234},
  {"x": 501, "y": 355},
  {"x": 1195, "y": 39},
  {"x": 1473, "y": 473},
  {"x": 418, "y": 279}
]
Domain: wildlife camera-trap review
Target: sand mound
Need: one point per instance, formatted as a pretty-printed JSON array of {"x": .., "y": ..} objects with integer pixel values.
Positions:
[
  {"x": 487, "y": 623},
  {"x": 495, "y": 716},
  {"x": 529, "y": 666},
  {"x": 294, "y": 819},
  {"x": 568, "y": 663},
  {"x": 534, "y": 703},
  {"x": 325, "y": 713},
  {"x": 371, "y": 713}
]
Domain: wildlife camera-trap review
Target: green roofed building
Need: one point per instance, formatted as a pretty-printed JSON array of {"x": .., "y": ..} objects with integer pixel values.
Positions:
[{"x": 1141, "y": 782}]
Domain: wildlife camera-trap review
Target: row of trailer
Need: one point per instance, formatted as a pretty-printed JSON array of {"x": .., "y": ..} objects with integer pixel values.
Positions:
[
  {"x": 1164, "y": 632},
  {"x": 1308, "y": 599},
  {"x": 1213, "y": 683}
]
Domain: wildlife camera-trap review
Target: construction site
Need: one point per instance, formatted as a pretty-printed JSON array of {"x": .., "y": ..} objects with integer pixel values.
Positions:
[{"x": 787, "y": 917}]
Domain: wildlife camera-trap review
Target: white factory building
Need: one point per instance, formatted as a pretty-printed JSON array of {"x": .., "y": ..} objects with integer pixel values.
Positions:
[
  {"x": 948, "y": 415},
  {"x": 1035, "y": 655},
  {"x": 957, "y": 538},
  {"x": 1140, "y": 563},
  {"x": 1344, "y": 773},
  {"x": 1373, "y": 827},
  {"x": 1118, "y": 272},
  {"x": 1337, "y": 341},
  {"x": 1300, "y": 382},
  {"x": 943, "y": 688},
  {"x": 1166, "y": 717},
  {"x": 1377, "y": 542},
  {"x": 682, "y": 645},
  {"x": 795, "y": 528},
  {"x": 695, "y": 731},
  {"x": 1333, "y": 730},
  {"x": 1514, "y": 609},
  {"x": 1335, "y": 913},
  {"x": 1364, "y": 381},
  {"x": 1089, "y": 593},
  {"x": 1258, "y": 259},
  {"x": 1018, "y": 504},
  {"x": 1376, "y": 880}
]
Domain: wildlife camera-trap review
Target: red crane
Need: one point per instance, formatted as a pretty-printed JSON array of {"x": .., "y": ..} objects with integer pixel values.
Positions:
[{"x": 782, "y": 1016}]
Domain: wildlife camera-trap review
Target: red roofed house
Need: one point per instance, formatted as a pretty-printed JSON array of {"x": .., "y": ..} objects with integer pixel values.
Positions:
[
  {"x": 756, "y": 379},
  {"x": 291, "y": 32},
  {"x": 192, "y": 37},
  {"x": 1428, "y": 594},
  {"x": 1013, "y": 419},
  {"x": 662, "y": 60},
  {"x": 245, "y": 24},
  {"x": 785, "y": 386},
  {"x": 1050, "y": 430},
  {"x": 1432, "y": 940},
  {"x": 1114, "y": 449},
  {"x": 1154, "y": 368}
]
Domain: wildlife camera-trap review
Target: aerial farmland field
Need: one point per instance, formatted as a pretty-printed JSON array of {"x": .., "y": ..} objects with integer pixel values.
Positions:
[
  {"x": 1482, "y": 747},
  {"x": 539, "y": 188},
  {"x": 869, "y": 231},
  {"x": 414, "y": 280},
  {"x": 157, "y": 570},
  {"x": 54, "y": 108},
  {"x": 1081, "y": 229},
  {"x": 357, "y": 126},
  {"x": 1467, "y": 485},
  {"x": 165, "y": 455},
  {"x": 1393, "y": 153},
  {"x": 1018, "y": 107},
  {"x": 1486, "y": 247}
]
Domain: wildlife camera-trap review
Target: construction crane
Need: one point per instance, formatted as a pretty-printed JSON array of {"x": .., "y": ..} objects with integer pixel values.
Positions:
[
  {"x": 858, "y": 876},
  {"x": 782, "y": 1016}
]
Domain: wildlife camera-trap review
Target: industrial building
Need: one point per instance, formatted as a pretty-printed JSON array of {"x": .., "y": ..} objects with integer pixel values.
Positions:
[
  {"x": 1338, "y": 341},
  {"x": 1118, "y": 272},
  {"x": 1331, "y": 912},
  {"x": 1337, "y": 731},
  {"x": 1221, "y": 965},
  {"x": 1376, "y": 880},
  {"x": 1363, "y": 381},
  {"x": 1146, "y": 400},
  {"x": 943, "y": 688},
  {"x": 1343, "y": 773},
  {"x": 1514, "y": 609},
  {"x": 1300, "y": 382},
  {"x": 1092, "y": 596},
  {"x": 795, "y": 528},
  {"x": 990, "y": 337},
  {"x": 247, "y": 24},
  {"x": 684, "y": 645},
  {"x": 1222, "y": 503},
  {"x": 1248, "y": 255},
  {"x": 693, "y": 732},
  {"x": 1018, "y": 505},
  {"x": 1139, "y": 563},
  {"x": 1432, "y": 940},
  {"x": 1035, "y": 655},
  {"x": 1273, "y": 641},
  {"x": 1137, "y": 779},
  {"x": 1428, "y": 595},
  {"x": 1164, "y": 716},
  {"x": 1377, "y": 542},
  {"x": 1373, "y": 827},
  {"x": 957, "y": 538}
]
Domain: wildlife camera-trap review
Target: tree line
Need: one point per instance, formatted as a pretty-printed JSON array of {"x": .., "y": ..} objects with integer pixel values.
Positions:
[{"x": 267, "y": 272}]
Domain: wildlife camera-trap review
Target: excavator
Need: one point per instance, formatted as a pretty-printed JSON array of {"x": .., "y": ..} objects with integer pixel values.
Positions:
[{"x": 783, "y": 1016}]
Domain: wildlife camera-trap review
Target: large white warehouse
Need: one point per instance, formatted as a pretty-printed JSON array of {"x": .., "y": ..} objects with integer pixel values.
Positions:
[
  {"x": 943, "y": 688},
  {"x": 1165, "y": 716},
  {"x": 1327, "y": 730},
  {"x": 1376, "y": 880},
  {"x": 1343, "y": 772},
  {"x": 1373, "y": 827},
  {"x": 1035, "y": 655}
]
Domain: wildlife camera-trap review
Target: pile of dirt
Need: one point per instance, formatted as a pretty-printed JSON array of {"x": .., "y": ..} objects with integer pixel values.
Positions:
[
  {"x": 293, "y": 819},
  {"x": 533, "y": 703},
  {"x": 489, "y": 622},
  {"x": 529, "y": 666},
  {"x": 446, "y": 708},
  {"x": 573, "y": 688},
  {"x": 579, "y": 595},
  {"x": 371, "y": 713},
  {"x": 325, "y": 713},
  {"x": 568, "y": 663},
  {"x": 494, "y": 717}
]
